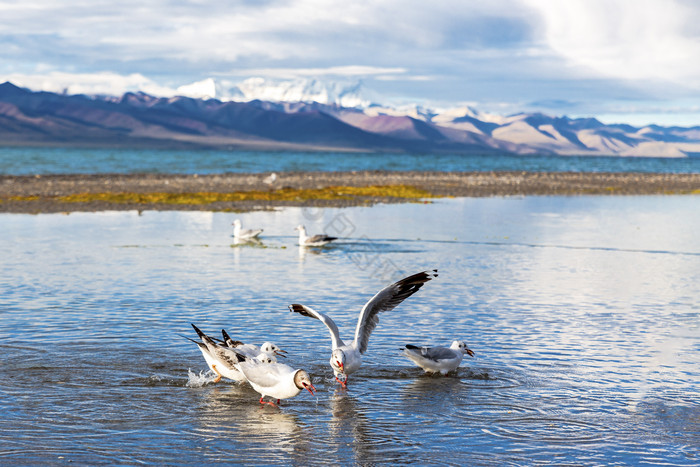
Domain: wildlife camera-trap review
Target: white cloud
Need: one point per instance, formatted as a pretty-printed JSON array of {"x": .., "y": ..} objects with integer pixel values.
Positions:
[
  {"x": 106, "y": 83},
  {"x": 346, "y": 71},
  {"x": 627, "y": 39}
]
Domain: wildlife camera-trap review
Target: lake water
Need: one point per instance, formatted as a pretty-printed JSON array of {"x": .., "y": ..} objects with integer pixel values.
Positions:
[
  {"x": 30, "y": 161},
  {"x": 583, "y": 313}
]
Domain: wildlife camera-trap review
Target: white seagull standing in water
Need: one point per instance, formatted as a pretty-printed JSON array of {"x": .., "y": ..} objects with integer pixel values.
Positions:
[
  {"x": 316, "y": 240},
  {"x": 347, "y": 358},
  {"x": 244, "y": 234},
  {"x": 275, "y": 380},
  {"x": 222, "y": 359},
  {"x": 438, "y": 359}
]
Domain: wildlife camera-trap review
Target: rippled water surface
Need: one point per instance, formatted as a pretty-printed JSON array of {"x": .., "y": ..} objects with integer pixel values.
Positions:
[
  {"x": 583, "y": 313},
  {"x": 30, "y": 161}
]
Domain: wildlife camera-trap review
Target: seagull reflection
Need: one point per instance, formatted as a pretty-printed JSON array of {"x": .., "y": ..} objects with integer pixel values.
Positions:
[
  {"x": 227, "y": 412},
  {"x": 427, "y": 389},
  {"x": 254, "y": 241},
  {"x": 350, "y": 427},
  {"x": 303, "y": 251}
]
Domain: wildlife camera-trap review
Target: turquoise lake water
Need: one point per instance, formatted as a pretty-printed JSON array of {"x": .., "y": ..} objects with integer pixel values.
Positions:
[{"x": 30, "y": 161}]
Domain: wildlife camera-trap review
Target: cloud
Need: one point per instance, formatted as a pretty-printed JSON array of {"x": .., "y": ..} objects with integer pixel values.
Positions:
[
  {"x": 627, "y": 39},
  {"x": 106, "y": 83},
  {"x": 345, "y": 71}
]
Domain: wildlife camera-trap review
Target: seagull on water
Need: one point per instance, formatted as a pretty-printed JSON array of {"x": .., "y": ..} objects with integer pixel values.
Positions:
[
  {"x": 438, "y": 359},
  {"x": 222, "y": 358},
  {"x": 244, "y": 234},
  {"x": 267, "y": 349},
  {"x": 275, "y": 380},
  {"x": 347, "y": 358},
  {"x": 316, "y": 240}
]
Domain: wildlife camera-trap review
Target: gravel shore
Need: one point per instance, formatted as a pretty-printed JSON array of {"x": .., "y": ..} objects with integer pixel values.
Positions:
[{"x": 37, "y": 194}]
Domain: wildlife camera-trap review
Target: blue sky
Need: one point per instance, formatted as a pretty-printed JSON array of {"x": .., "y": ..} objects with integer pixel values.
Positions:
[{"x": 632, "y": 61}]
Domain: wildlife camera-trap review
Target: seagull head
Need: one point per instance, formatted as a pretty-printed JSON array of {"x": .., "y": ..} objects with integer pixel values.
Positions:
[
  {"x": 462, "y": 347},
  {"x": 299, "y": 227},
  {"x": 237, "y": 222},
  {"x": 302, "y": 380},
  {"x": 268, "y": 348},
  {"x": 338, "y": 361}
]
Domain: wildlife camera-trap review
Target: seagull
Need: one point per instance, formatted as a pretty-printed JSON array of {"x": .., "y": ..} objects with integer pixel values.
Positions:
[
  {"x": 270, "y": 179},
  {"x": 244, "y": 235},
  {"x": 347, "y": 358},
  {"x": 316, "y": 240},
  {"x": 438, "y": 359},
  {"x": 275, "y": 380},
  {"x": 267, "y": 349},
  {"x": 222, "y": 359}
]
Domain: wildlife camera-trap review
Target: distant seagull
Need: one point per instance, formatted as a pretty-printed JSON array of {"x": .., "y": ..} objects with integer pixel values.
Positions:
[
  {"x": 316, "y": 240},
  {"x": 438, "y": 359},
  {"x": 347, "y": 358},
  {"x": 244, "y": 235},
  {"x": 275, "y": 380},
  {"x": 270, "y": 179},
  {"x": 222, "y": 359}
]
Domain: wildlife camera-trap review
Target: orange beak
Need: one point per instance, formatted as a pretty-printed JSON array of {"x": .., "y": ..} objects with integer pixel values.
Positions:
[
  {"x": 342, "y": 367},
  {"x": 310, "y": 388}
]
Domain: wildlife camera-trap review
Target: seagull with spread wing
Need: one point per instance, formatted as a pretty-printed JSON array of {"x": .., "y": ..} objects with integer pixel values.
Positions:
[{"x": 347, "y": 358}]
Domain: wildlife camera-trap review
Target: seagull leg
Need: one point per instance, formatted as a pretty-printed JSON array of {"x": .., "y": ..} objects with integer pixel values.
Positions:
[
  {"x": 268, "y": 402},
  {"x": 343, "y": 383},
  {"x": 218, "y": 375}
]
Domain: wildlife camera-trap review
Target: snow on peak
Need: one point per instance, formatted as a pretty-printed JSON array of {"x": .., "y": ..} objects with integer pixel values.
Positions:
[
  {"x": 344, "y": 94},
  {"x": 304, "y": 90}
]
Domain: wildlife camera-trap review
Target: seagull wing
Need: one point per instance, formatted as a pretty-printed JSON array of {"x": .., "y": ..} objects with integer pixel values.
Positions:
[
  {"x": 320, "y": 238},
  {"x": 433, "y": 353},
  {"x": 387, "y": 299},
  {"x": 264, "y": 374},
  {"x": 330, "y": 324}
]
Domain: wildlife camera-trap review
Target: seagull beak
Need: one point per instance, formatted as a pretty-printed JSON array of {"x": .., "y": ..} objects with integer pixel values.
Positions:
[
  {"x": 310, "y": 388},
  {"x": 342, "y": 367},
  {"x": 279, "y": 353},
  {"x": 469, "y": 351}
]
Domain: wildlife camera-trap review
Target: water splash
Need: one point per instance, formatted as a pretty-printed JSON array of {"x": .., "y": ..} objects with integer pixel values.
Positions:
[{"x": 195, "y": 380}]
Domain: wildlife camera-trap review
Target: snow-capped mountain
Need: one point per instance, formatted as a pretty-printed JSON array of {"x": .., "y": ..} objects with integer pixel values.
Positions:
[
  {"x": 312, "y": 115},
  {"x": 342, "y": 94}
]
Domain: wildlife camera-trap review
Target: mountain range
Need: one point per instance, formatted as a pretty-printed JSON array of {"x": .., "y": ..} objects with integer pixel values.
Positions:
[{"x": 353, "y": 124}]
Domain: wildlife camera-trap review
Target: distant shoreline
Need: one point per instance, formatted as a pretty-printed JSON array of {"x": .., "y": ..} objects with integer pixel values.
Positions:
[{"x": 248, "y": 192}]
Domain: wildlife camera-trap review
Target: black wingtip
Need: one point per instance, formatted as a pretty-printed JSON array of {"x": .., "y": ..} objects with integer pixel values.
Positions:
[
  {"x": 196, "y": 329},
  {"x": 189, "y": 339},
  {"x": 301, "y": 309}
]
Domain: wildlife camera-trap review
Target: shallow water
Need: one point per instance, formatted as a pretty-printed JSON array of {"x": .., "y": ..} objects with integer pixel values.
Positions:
[{"x": 583, "y": 313}]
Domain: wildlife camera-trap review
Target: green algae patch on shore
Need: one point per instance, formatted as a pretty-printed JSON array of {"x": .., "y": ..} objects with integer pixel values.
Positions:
[{"x": 284, "y": 194}]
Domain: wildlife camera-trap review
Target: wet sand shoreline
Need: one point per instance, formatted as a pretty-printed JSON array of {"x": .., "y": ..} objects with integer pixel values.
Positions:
[{"x": 246, "y": 192}]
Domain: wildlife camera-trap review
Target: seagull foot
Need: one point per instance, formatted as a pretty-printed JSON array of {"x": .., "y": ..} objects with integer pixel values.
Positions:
[
  {"x": 268, "y": 402},
  {"x": 343, "y": 383}
]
